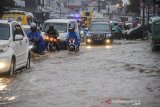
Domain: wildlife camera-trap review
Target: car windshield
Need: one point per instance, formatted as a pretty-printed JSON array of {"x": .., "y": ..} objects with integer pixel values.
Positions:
[
  {"x": 27, "y": 30},
  {"x": 156, "y": 28},
  {"x": 4, "y": 32},
  {"x": 60, "y": 27},
  {"x": 100, "y": 27}
]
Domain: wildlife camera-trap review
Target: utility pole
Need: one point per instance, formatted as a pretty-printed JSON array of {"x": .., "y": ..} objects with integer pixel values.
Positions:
[
  {"x": 154, "y": 8},
  {"x": 143, "y": 21},
  {"x": 98, "y": 5},
  {"x": 148, "y": 12},
  {"x": 60, "y": 11}
]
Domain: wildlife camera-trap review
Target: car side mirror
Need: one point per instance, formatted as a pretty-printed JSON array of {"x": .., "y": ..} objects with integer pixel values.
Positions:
[{"x": 18, "y": 37}]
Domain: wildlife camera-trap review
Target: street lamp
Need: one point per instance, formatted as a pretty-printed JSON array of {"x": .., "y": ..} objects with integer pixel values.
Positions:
[{"x": 117, "y": 6}]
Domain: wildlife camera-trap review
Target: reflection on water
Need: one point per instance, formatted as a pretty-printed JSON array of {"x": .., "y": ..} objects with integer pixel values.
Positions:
[
  {"x": 108, "y": 47},
  {"x": 3, "y": 84},
  {"x": 12, "y": 98},
  {"x": 5, "y": 92},
  {"x": 88, "y": 47}
]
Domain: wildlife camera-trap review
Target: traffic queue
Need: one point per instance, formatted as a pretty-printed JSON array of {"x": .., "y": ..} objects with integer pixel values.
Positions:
[{"x": 22, "y": 31}]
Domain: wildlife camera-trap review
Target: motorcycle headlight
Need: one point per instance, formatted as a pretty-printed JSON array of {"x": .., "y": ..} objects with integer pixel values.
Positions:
[
  {"x": 3, "y": 48},
  {"x": 81, "y": 32}
]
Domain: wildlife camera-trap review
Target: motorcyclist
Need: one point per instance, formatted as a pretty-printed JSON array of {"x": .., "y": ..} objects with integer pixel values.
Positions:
[
  {"x": 116, "y": 31},
  {"x": 73, "y": 34},
  {"x": 35, "y": 38},
  {"x": 53, "y": 32}
]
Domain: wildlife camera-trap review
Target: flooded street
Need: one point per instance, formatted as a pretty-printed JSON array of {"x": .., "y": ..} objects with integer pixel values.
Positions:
[{"x": 126, "y": 74}]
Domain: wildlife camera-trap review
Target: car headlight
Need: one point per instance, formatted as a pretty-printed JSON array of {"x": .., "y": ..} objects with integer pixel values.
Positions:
[
  {"x": 89, "y": 40},
  {"x": 108, "y": 41},
  {"x": 89, "y": 35},
  {"x": 3, "y": 48}
]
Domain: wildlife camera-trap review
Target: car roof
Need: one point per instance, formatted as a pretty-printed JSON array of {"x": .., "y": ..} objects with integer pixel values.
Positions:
[
  {"x": 100, "y": 23},
  {"x": 59, "y": 20},
  {"x": 15, "y": 11}
]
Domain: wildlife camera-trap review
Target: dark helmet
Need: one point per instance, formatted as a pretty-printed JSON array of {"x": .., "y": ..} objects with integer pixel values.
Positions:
[
  {"x": 51, "y": 26},
  {"x": 83, "y": 26},
  {"x": 115, "y": 24},
  {"x": 33, "y": 27},
  {"x": 71, "y": 29}
]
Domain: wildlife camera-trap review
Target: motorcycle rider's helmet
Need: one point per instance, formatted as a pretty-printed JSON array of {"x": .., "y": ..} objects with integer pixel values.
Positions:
[
  {"x": 33, "y": 27},
  {"x": 83, "y": 26},
  {"x": 71, "y": 29},
  {"x": 51, "y": 26}
]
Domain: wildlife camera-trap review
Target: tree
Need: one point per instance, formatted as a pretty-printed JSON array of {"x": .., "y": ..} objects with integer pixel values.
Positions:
[{"x": 134, "y": 7}]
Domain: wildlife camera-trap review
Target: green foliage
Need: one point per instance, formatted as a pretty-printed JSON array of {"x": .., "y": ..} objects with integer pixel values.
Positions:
[{"x": 134, "y": 7}]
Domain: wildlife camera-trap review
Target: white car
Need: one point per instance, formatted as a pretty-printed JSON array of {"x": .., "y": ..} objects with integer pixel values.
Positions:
[{"x": 14, "y": 47}]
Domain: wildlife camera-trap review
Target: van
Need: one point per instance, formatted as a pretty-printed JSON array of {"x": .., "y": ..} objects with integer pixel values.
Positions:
[{"x": 62, "y": 26}]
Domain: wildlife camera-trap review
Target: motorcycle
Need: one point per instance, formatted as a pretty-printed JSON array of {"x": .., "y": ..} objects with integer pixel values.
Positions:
[
  {"x": 72, "y": 45},
  {"x": 50, "y": 43},
  {"x": 33, "y": 45}
]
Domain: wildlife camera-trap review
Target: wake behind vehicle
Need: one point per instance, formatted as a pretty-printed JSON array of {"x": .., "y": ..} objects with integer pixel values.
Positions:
[
  {"x": 14, "y": 47},
  {"x": 154, "y": 36},
  {"x": 99, "y": 32}
]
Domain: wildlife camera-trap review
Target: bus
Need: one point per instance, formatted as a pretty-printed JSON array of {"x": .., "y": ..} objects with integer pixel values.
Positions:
[{"x": 26, "y": 18}]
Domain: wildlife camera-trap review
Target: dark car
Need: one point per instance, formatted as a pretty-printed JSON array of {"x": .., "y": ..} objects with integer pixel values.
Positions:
[
  {"x": 99, "y": 32},
  {"x": 137, "y": 33}
]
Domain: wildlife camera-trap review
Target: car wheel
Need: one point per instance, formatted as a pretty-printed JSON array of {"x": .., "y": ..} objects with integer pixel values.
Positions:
[
  {"x": 12, "y": 68},
  {"x": 28, "y": 65}
]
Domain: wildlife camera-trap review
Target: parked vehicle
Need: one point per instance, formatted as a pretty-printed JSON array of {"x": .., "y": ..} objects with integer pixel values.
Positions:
[
  {"x": 14, "y": 47},
  {"x": 137, "y": 33},
  {"x": 154, "y": 36},
  {"x": 99, "y": 32}
]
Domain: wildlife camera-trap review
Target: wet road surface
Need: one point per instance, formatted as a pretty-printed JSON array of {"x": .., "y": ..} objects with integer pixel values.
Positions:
[{"x": 126, "y": 74}]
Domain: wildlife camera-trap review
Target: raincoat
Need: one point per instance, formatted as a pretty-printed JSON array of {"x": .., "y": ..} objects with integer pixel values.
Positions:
[
  {"x": 36, "y": 35},
  {"x": 74, "y": 35}
]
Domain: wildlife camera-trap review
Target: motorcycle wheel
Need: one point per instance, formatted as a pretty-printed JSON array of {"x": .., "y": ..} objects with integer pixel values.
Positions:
[{"x": 51, "y": 47}]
